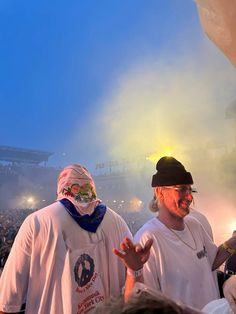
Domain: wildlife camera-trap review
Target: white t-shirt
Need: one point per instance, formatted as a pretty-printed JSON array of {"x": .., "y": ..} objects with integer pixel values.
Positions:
[
  {"x": 180, "y": 272},
  {"x": 203, "y": 220},
  {"x": 57, "y": 267}
]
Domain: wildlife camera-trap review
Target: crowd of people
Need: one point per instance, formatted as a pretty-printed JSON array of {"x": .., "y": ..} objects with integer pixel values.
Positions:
[
  {"x": 12, "y": 219},
  {"x": 10, "y": 222}
]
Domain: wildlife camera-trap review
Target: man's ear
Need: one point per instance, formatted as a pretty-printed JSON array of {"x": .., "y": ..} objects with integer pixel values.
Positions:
[{"x": 159, "y": 192}]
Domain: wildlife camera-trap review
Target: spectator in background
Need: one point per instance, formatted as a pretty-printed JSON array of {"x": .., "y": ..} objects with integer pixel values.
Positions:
[{"x": 61, "y": 260}]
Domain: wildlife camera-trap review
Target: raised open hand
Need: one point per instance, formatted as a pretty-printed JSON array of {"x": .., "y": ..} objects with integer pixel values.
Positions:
[{"x": 133, "y": 255}]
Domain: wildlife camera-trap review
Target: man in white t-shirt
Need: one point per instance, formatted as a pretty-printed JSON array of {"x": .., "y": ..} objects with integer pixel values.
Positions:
[
  {"x": 61, "y": 260},
  {"x": 183, "y": 256}
]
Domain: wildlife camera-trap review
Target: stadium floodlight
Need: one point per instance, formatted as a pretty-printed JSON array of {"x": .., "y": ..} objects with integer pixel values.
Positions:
[
  {"x": 30, "y": 200},
  {"x": 135, "y": 204}
]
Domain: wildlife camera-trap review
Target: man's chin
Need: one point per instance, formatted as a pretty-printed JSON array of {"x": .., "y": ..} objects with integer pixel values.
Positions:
[{"x": 185, "y": 209}]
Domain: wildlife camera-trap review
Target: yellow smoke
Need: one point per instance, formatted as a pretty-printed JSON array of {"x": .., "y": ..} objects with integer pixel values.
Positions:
[
  {"x": 176, "y": 110},
  {"x": 173, "y": 110},
  {"x": 154, "y": 157}
]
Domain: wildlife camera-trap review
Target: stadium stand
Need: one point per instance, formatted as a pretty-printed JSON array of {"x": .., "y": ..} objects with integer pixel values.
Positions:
[{"x": 23, "y": 155}]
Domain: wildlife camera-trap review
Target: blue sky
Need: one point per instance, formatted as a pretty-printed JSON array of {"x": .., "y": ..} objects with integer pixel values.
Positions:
[{"x": 61, "y": 62}]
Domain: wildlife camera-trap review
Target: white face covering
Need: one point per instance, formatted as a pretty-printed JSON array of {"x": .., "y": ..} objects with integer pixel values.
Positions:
[
  {"x": 76, "y": 184},
  {"x": 83, "y": 204}
]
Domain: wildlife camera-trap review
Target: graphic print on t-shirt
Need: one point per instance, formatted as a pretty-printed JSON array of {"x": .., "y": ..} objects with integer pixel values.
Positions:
[
  {"x": 84, "y": 270},
  {"x": 88, "y": 275}
]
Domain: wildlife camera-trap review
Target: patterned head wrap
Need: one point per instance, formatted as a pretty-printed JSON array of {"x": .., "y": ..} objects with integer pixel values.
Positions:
[{"x": 76, "y": 184}]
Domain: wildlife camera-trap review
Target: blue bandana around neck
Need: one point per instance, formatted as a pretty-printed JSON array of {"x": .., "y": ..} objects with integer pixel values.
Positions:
[{"x": 86, "y": 222}]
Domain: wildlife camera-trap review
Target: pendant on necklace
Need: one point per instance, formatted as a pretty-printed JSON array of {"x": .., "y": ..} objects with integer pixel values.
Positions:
[{"x": 202, "y": 253}]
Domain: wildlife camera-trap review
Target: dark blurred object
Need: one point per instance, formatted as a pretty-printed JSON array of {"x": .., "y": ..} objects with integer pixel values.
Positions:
[
  {"x": 230, "y": 264},
  {"x": 229, "y": 270},
  {"x": 221, "y": 277}
]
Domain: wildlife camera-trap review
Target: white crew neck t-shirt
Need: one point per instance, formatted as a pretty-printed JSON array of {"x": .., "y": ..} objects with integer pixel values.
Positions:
[{"x": 180, "y": 272}]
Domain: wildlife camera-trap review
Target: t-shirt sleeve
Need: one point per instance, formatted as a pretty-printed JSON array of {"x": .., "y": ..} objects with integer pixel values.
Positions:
[{"x": 15, "y": 275}]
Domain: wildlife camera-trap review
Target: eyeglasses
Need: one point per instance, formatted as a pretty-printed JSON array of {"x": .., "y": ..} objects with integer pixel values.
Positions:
[{"x": 182, "y": 189}]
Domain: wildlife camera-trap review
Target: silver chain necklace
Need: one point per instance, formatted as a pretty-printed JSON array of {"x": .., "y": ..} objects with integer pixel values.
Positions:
[{"x": 176, "y": 234}]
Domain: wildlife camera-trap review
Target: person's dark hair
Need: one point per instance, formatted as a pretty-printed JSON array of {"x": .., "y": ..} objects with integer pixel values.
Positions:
[
  {"x": 148, "y": 304},
  {"x": 143, "y": 303}
]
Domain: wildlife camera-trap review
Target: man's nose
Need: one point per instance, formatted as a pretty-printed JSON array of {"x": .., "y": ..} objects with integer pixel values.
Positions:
[{"x": 189, "y": 195}]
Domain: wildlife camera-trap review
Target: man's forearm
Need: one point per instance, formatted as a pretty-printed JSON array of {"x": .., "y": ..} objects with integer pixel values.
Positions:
[
  {"x": 129, "y": 285},
  {"x": 220, "y": 258},
  {"x": 225, "y": 250}
]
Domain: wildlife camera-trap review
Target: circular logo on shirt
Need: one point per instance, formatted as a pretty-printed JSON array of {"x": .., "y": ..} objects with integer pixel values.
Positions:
[{"x": 84, "y": 269}]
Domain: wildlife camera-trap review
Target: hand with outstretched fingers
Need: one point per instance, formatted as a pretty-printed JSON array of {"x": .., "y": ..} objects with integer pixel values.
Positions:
[
  {"x": 229, "y": 289},
  {"x": 134, "y": 256}
]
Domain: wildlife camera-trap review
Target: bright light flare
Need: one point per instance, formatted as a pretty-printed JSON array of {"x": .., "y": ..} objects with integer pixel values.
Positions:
[
  {"x": 157, "y": 155},
  {"x": 232, "y": 227},
  {"x": 30, "y": 200},
  {"x": 136, "y": 204}
]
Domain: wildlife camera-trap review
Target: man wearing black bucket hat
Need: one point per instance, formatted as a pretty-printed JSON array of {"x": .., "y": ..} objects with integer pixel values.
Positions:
[{"x": 182, "y": 257}]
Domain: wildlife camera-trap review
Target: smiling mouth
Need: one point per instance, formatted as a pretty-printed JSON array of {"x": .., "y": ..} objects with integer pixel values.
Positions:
[{"x": 184, "y": 204}]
